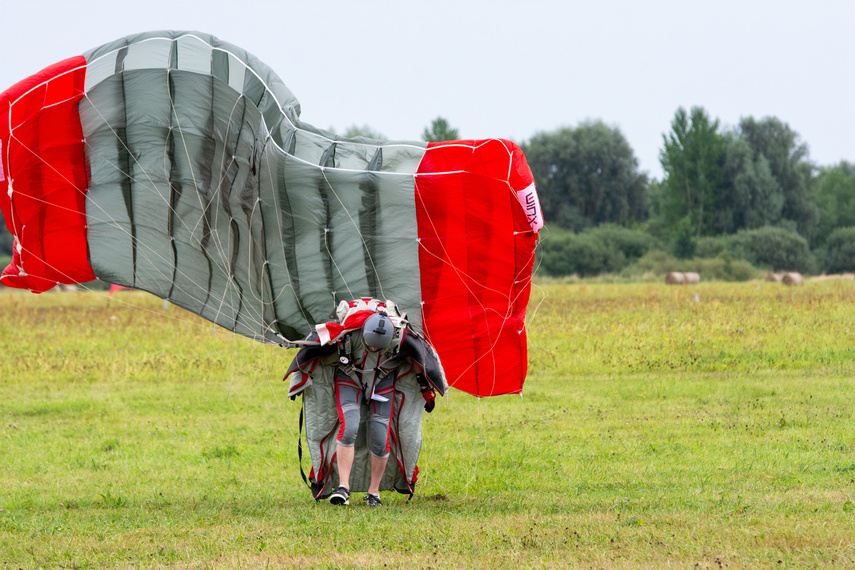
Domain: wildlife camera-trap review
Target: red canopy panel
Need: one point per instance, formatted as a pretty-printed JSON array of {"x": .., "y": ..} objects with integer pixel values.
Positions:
[
  {"x": 477, "y": 239},
  {"x": 43, "y": 179}
]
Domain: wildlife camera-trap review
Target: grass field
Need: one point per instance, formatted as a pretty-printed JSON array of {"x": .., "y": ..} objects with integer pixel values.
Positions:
[{"x": 706, "y": 426}]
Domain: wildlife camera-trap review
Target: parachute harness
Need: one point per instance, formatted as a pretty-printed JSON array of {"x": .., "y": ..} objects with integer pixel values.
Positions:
[{"x": 363, "y": 374}]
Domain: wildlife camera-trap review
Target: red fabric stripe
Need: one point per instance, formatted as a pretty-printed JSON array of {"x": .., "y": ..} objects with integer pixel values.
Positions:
[
  {"x": 44, "y": 163},
  {"x": 476, "y": 258}
]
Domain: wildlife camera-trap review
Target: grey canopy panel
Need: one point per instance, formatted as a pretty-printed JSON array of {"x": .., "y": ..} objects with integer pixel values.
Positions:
[{"x": 206, "y": 189}]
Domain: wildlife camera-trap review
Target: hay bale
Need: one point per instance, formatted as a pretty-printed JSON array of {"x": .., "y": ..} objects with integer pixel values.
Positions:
[
  {"x": 692, "y": 278},
  {"x": 675, "y": 278},
  {"x": 773, "y": 278},
  {"x": 791, "y": 279}
]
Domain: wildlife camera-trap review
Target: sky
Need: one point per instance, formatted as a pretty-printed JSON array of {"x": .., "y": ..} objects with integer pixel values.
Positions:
[{"x": 504, "y": 69}]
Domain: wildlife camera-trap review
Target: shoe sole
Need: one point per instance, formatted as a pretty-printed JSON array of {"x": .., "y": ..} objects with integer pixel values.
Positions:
[{"x": 339, "y": 500}]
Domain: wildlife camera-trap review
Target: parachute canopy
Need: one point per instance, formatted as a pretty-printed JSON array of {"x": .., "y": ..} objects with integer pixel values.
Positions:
[{"x": 176, "y": 163}]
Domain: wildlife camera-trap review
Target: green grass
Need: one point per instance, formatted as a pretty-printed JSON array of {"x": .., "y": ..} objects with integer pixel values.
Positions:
[{"x": 654, "y": 430}]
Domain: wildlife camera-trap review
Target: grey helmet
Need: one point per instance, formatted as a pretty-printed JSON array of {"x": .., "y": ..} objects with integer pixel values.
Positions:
[{"x": 377, "y": 331}]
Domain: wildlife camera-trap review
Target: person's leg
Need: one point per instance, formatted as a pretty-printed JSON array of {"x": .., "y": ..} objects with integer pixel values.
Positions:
[
  {"x": 347, "y": 399},
  {"x": 378, "y": 467},
  {"x": 378, "y": 432},
  {"x": 344, "y": 462}
]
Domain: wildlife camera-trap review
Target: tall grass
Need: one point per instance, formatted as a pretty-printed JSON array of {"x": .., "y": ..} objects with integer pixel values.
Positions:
[{"x": 708, "y": 426}]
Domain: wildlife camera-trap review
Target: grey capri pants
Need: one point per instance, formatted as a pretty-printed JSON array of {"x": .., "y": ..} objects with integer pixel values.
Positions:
[{"x": 349, "y": 396}]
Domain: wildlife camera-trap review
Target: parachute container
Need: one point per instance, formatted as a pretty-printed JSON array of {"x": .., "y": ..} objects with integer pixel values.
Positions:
[{"x": 176, "y": 163}]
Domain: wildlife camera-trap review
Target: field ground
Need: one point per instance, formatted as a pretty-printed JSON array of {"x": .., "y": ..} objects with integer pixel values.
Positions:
[{"x": 706, "y": 426}]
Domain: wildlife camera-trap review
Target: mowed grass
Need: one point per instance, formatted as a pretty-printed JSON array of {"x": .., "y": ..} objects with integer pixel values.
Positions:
[{"x": 704, "y": 426}]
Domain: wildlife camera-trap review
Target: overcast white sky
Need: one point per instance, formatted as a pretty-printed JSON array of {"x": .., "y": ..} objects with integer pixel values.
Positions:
[{"x": 504, "y": 68}]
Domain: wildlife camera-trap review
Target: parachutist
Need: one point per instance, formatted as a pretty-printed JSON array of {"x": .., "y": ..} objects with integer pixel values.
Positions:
[{"x": 381, "y": 367}]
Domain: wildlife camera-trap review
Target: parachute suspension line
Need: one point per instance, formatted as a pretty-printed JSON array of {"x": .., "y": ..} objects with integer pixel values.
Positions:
[
  {"x": 543, "y": 292},
  {"x": 108, "y": 218},
  {"x": 173, "y": 193},
  {"x": 155, "y": 254},
  {"x": 259, "y": 297},
  {"x": 127, "y": 189},
  {"x": 151, "y": 182},
  {"x": 222, "y": 251},
  {"x": 117, "y": 225},
  {"x": 9, "y": 162},
  {"x": 12, "y": 136},
  {"x": 258, "y": 318},
  {"x": 268, "y": 376},
  {"x": 217, "y": 190},
  {"x": 332, "y": 259},
  {"x": 265, "y": 268},
  {"x": 267, "y": 367},
  {"x": 49, "y": 165},
  {"x": 220, "y": 247},
  {"x": 361, "y": 237},
  {"x": 128, "y": 176},
  {"x": 278, "y": 208},
  {"x": 226, "y": 260}
]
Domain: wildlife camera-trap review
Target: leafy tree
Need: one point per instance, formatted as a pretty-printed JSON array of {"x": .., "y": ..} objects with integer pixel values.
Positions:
[
  {"x": 770, "y": 247},
  {"x": 683, "y": 239},
  {"x": 605, "y": 249},
  {"x": 587, "y": 176},
  {"x": 834, "y": 192},
  {"x": 751, "y": 196},
  {"x": 788, "y": 162},
  {"x": 5, "y": 239},
  {"x": 693, "y": 160},
  {"x": 440, "y": 131},
  {"x": 563, "y": 253},
  {"x": 774, "y": 248},
  {"x": 632, "y": 243},
  {"x": 840, "y": 254},
  {"x": 363, "y": 131}
]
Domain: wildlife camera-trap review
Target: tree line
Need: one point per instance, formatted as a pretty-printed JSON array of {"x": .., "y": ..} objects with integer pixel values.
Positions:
[
  {"x": 749, "y": 193},
  {"x": 731, "y": 199}
]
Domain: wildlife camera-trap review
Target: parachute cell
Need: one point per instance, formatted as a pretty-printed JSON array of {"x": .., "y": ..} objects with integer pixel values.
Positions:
[
  {"x": 176, "y": 163},
  {"x": 42, "y": 155}
]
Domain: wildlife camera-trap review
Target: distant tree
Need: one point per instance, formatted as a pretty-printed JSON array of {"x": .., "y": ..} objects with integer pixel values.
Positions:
[
  {"x": 587, "y": 176},
  {"x": 840, "y": 251},
  {"x": 751, "y": 197},
  {"x": 605, "y": 249},
  {"x": 789, "y": 165},
  {"x": 834, "y": 193},
  {"x": 562, "y": 253},
  {"x": 5, "y": 240},
  {"x": 775, "y": 248},
  {"x": 693, "y": 160},
  {"x": 440, "y": 131},
  {"x": 363, "y": 131}
]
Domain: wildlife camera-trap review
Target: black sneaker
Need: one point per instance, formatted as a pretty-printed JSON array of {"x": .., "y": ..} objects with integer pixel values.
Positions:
[
  {"x": 340, "y": 496},
  {"x": 373, "y": 500}
]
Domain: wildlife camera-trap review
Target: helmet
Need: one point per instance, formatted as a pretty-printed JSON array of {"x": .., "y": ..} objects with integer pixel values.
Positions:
[{"x": 377, "y": 331}]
